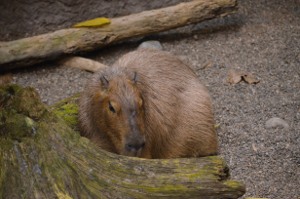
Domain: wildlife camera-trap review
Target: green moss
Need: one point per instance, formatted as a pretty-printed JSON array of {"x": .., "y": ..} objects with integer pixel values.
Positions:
[
  {"x": 70, "y": 100},
  {"x": 5, "y": 145},
  {"x": 216, "y": 160},
  {"x": 16, "y": 126},
  {"x": 201, "y": 174},
  {"x": 211, "y": 171},
  {"x": 22, "y": 100},
  {"x": 171, "y": 189},
  {"x": 7, "y": 94},
  {"x": 166, "y": 188},
  {"x": 220, "y": 167},
  {"x": 29, "y": 103},
  {"x": 67, "y": 110},
  {"x": 72, "y": 166},
  {"x": 232, "y": 184},
  {"x": 21, "y": 109},
  {"x": 69, "y": 113}
]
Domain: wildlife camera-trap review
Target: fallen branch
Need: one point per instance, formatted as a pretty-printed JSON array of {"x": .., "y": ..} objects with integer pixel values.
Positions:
[
  {"x": 82, "y": 63},
  {"x": 27, "y": 51},
  {"x": 42, "y": 157}
]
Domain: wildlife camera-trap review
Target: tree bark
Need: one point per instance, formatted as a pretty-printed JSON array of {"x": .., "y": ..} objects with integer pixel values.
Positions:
[
  {"x": 42, "y": 157},
  {"x": 33, "y": 50}
]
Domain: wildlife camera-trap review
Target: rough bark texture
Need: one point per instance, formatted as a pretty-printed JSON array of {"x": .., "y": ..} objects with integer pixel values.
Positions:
[
  {"x": 42, "y": 157},
  {"x": 26, "y": 18},
  {"x": 35, "y": 49}
]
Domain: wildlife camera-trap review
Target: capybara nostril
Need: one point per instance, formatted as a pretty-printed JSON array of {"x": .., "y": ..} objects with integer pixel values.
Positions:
[{"x": 134, "y": 146}]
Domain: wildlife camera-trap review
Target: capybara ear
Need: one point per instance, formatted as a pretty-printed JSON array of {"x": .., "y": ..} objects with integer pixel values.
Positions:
[
  {"x": 135, "y": 77},
  {"x": 104, "y": 81}
]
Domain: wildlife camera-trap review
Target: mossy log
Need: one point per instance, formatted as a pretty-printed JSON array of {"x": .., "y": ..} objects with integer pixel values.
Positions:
[
  {"x": 32, "y": 50},
  {"x": 41, "y": 156}
]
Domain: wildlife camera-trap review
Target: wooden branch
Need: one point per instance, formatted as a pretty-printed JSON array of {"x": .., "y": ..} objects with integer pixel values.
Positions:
[
  {"x": 82, "y": 63},
  {"x": 42, "y": 157},
  {"x": 22, "y": 52}
]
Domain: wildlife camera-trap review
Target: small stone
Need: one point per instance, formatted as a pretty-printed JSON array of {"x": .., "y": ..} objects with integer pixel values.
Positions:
[
  {"x": 276, "y": 122},
  {"x": 152, "y": 44},
  {"x": 195, "y": 37}
]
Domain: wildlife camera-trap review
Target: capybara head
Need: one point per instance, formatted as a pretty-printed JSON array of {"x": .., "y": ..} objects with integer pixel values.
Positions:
[{"x": 121, "y": 113}]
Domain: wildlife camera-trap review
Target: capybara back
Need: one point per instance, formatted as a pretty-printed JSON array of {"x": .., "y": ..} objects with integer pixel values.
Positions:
[{"x": 149, "y": 104}]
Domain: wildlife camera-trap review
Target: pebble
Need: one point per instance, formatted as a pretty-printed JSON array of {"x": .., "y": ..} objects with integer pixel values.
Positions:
[
  {"x": 276, "y": 122},
  {"x": 152, "y": 44}
]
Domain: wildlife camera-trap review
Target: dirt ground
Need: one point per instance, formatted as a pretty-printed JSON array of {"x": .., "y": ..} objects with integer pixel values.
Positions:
[{"x": 262, "y": 38}]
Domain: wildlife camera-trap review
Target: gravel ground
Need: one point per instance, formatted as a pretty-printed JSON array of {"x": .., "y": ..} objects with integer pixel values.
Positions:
[{"x": 262, "y": 38}]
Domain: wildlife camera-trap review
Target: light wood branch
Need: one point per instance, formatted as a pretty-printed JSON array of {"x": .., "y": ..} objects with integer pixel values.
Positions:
[
  {"x": 33, "y": 50},
  {"x": 82, "y": 63}
]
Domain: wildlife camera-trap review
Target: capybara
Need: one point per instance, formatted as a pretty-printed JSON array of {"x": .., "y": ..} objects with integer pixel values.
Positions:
[{"x": 149, "y": 104}]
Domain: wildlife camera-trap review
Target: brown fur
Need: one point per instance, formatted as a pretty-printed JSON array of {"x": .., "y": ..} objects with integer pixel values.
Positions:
[{"x": 172, "y": 110}]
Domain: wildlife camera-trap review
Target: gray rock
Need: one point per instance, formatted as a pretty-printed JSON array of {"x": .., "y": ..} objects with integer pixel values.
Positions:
[
  {"x": 151, "y": 44},
  {"x": 276, "y": 122}
]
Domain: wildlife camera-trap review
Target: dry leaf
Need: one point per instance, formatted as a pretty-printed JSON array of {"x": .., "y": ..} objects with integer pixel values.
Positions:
[
  {"x": 217, "y": 126},
  {"x": 93, "y": 23},
  {"x": 207, "y": 65},
  {"x": 254, "y": 147},
  {"x": 235, "y": 77},
  {"x": 250, "y": 79}
]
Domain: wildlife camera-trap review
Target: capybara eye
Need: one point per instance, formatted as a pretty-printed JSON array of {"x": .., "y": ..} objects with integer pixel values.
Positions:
[{"x": 111, "y": 108}]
